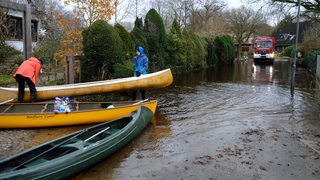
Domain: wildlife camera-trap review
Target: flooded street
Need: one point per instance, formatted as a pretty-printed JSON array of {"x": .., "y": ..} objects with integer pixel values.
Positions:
[
  {"x": 238, "y": 122},
  {"x": 231, "y": 123}
]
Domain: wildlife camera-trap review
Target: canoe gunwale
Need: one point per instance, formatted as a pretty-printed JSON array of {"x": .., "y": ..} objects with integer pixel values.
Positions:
[{"x": 122, "y": 104}]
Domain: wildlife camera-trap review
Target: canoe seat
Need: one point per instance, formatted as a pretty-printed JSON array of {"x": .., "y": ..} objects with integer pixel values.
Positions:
[{"x": 76, "y": 145}]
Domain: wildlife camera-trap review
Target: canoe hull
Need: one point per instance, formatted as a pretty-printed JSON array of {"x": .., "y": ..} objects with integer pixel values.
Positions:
[
  {"x": 50, "y": 119},
  {"x": 71, "y": 163},
  {"x": 155, "y": 80}
]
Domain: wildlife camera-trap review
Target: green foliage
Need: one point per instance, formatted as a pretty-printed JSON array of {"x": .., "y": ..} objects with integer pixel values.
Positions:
[
  {"x": 175, "y": 48},
  {"x": 138, "y": 23},
  {"x": 155, "y": 34},
  {"x": 102, "y": 46},
  {"x": 124, "y": 70},
  {"x": 224, "y": 49},
  {"x": 154, "y": 25},
  {"x": 195, "y": 50},
  {"x": 138, "y": 35},
  {"x": 200, "y": 49},
  {"x": 311, "y": 59},
  {"x": 6, "y": 79},
  {"x": 127, "y": 44},
  {"x": 289, "y": 51},
  {"x": 212, "y": 58},
  {"x": 87, "y": 69},
  {"x": 7, "y": 51},
  {"x": 175, "y": 28}
]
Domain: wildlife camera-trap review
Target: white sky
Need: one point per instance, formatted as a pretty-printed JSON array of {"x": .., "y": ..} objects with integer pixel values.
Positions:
[{"x": 234, "y": 3}]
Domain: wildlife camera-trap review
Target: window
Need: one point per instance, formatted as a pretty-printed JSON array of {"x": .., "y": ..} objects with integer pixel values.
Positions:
[
  {"x": 263, "y": 44},
  {"x": 15, "y": 26}
]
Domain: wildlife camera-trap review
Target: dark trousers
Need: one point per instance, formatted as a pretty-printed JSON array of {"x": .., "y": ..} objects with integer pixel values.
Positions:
[
  {"x": 134, "y": 95},
  {"x": 21, "y": 86}
]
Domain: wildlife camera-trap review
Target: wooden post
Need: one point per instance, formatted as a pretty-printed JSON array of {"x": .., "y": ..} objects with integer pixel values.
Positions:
[
  {"x": 69, "y": 73},
  {"x": 27, "y": 40}
]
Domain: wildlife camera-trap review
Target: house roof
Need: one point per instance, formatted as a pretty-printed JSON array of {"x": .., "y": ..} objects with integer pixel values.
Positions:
[{"x": 286, "y": 35}]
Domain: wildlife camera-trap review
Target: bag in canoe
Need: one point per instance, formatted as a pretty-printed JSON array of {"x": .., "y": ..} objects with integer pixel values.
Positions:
[{"x": 62, "y": 105}]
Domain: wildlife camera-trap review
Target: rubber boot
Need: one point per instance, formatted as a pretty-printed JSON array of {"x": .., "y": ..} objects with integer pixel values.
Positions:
[
  {"x": 20, "y": 97},
  {"x": 33, "y": 98},
  {"x": 134, "y": 95},
  {"x": 143, "y": 94}
]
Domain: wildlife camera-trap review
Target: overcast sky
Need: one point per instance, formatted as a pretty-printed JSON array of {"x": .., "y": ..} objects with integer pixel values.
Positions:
[{"x": 234, "y": 3}]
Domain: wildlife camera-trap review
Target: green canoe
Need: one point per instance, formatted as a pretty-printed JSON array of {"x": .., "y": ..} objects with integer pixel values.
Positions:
[{"x": 73, "y": 153}]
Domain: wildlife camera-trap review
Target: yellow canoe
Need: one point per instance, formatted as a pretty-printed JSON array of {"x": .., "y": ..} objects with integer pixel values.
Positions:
[
  {"x": 40, "y": 114},
  {"x": 155, "y": 80}
]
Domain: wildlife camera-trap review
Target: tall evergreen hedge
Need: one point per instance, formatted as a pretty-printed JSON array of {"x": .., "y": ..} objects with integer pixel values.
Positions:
[
  {"x": 138, "y": 35},
  {"x": 196, "y": 50},
  {"x": 125, "y": 69},
  {"x": 224, "y": 49},
  {"x": 156, "y": 35},
  {"x": 102, "y": 46},
  {"x": 212, "y": 58},
  {"x": 175, "y": 48}
]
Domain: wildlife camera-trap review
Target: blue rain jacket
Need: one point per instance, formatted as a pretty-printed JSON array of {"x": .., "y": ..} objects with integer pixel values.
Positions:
[{"x": 140, "y": 62}]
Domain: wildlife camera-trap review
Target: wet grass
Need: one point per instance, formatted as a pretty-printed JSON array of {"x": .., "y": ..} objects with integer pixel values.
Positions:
[{"x": 6, "y": 79}]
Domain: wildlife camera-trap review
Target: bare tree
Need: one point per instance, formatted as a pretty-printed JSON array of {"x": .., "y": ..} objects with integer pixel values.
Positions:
[
  {"x": 311, "y": 37},
  {"x": 179, "y": 9},
  {"x": 164, "y": 10},
  {"x": 281, "y": 8},
  {"x": 182, "y": 10},
  {"x": 123, "y": 10},
  {"x": 197, "y": 15},
  {"x": 206, "y": 15},
  {"x": 243, "y": 23}
]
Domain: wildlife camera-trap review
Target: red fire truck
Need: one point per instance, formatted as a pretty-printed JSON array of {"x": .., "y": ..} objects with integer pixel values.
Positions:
[{"x": 264, "y": 48}]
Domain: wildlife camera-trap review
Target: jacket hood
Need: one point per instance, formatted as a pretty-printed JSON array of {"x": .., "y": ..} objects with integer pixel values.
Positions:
[
  {"x": 140, "y": 49},
  {"x": 34, "y": 59}
]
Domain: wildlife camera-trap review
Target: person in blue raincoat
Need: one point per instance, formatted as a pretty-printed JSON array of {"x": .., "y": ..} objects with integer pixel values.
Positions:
[{"x": 140, "y": 66}]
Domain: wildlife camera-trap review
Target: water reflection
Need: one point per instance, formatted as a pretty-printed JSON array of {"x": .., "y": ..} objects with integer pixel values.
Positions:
[{"x": 262, "y": 74}]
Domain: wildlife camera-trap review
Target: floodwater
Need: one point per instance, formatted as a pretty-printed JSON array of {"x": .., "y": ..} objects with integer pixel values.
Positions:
[{"x": 233, "y": 122}]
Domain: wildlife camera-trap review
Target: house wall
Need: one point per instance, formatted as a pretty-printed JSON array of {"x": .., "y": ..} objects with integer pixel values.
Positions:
[{"x": 18, "y": 45}]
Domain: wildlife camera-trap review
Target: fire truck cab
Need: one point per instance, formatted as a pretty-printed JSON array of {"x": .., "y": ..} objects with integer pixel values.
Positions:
[{"x": 264, "y": 48}]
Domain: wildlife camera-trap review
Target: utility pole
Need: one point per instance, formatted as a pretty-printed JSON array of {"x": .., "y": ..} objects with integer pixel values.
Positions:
[{"x": 293, "y": 71}]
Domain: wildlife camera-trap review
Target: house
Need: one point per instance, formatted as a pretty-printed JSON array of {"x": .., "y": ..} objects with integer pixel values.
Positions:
[{"x": 286, "y": 36}]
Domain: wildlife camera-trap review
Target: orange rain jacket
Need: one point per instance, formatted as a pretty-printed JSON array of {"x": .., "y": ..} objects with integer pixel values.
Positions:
[{"x": 30, "y": 68}]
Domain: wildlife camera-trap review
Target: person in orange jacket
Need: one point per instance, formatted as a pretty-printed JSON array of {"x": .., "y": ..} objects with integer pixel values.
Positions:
[{"x": 28, "y": 72}]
